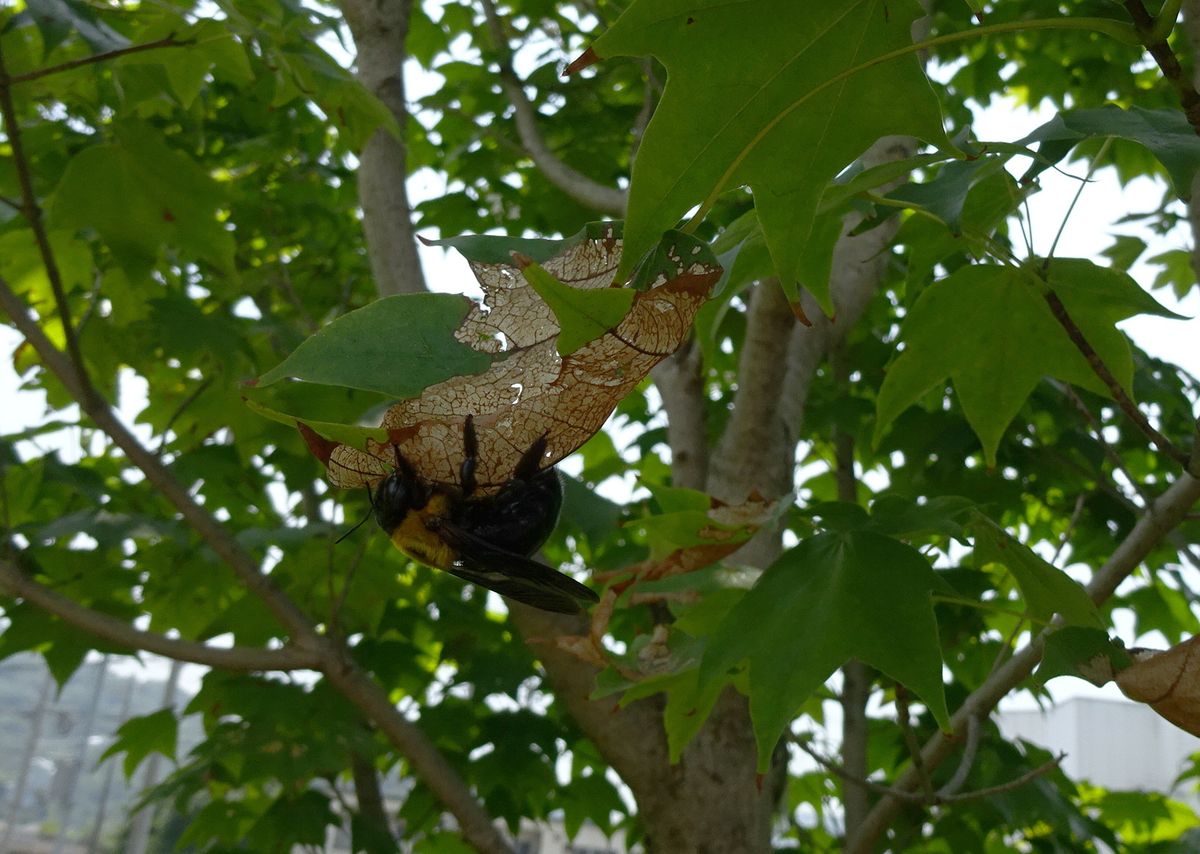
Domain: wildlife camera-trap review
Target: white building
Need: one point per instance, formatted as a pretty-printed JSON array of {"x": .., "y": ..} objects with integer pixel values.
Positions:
[{"x": 1116, "y": 744}]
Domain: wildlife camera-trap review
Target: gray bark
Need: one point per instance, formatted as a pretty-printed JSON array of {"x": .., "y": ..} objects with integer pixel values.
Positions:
[{"x": 379, "y": 28}]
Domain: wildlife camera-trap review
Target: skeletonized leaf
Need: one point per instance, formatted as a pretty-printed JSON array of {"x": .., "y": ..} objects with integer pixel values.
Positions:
[{"x": 530, "y": 390}]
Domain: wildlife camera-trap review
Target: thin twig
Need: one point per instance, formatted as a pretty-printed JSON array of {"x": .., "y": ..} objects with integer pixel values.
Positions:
[
  {"x": 33, "y": 213},
  {"x": 1069, "y": 531},
  {"x": 338, "y": 602},
  {"x": 970, "y": 750},
  {"x": 1014, "y": 783},
  {"x": 936, "y": 799},
  {"x": 166, "y": 41},
  {"x": 1118, "y": 393},
  {"x": 179, "y": 410},
  {"x": 904, "y": 719},
  {"x": 862, "y": 782}
]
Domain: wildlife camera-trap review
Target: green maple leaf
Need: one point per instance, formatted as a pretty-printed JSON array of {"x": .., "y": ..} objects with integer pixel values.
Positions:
[
  {"x": 989, "y": 330},
  {"x": 1047, "y": 590},
  {"x": 773, "y": 94},
  {"x": 583, "y": 315},
  {"x": 138, "y": 737},
  {"x": 834, "y": 597}
]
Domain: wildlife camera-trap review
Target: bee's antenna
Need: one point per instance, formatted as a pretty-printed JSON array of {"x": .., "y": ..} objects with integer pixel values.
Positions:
[{"x": 360, "y": 522}]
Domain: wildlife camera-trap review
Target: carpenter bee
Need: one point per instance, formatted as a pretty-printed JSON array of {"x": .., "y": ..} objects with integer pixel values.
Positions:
[{"x": 487, "y": 539}]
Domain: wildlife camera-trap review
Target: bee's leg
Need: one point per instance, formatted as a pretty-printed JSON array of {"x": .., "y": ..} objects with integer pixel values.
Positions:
[
  {"x": 531, "y": 461},
  {"x": 466, "y": 472}
]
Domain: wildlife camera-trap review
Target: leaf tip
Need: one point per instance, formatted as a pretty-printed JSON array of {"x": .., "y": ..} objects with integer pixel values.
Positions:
[
  {"x": 522, "y": 260},
  {"x": 321, "y": 447},
  {"x": 798, "y": 310},
  {"x": 588, "y": 58}
]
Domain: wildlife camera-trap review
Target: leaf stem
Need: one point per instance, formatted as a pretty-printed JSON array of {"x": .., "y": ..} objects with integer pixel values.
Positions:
[{"x": 1062, "y": 226}]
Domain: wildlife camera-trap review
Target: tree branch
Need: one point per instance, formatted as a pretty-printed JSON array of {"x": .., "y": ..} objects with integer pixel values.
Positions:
[
  {"x": 719, "y": 763},
  {"x": 1167, "y": 512},
  {"x": 367, "y": 793},
  {"x": 245, "y": 659},
  {"x": 1167, "y": 62},
  {"x": 856, "y": 676},
  {"x": 168, "y": 41},
  {"x": 574, "y": 183},
  {"x": 970, "y": 751},
  {"x": 904, "y": 720},
  {"x": 33, "y": 213},
  {"x": 934, "y": 799},
  {"x": 680, "y": 382},
  {"x": 380, "y": 28},
  {"x": 859, "y": 264},
  {"x": 749, "y": 450}
]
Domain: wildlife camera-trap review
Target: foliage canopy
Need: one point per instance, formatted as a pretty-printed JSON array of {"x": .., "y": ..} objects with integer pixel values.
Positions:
[{"x": 938, "y": 421}]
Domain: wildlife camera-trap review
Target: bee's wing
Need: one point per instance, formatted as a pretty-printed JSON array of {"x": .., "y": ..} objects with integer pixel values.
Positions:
[{"x": 511, "y": 575}]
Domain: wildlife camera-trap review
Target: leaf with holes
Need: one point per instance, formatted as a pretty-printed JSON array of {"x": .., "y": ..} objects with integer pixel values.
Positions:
[{"x": 501, "y": 362}]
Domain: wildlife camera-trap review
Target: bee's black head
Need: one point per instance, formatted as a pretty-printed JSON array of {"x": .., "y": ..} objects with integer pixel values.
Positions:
[{"x": 399, "y": 493}]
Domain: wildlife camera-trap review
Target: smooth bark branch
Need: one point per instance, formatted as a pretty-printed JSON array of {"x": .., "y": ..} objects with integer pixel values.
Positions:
[
  {"x": 368, "y": 794},
  {"x": 571, "y": 181},
  {"x": 859, "y": 264},
  {"x": 236, "y": 658},
  {"x": 748, "y": 454},
  {"x": 1164, "y": 515},
  {"x": 680, "y": 382},
  {"x": 856, "y": 676},
  {"x": 380, "y": 28},
  {"x": 333, "y": 660}
]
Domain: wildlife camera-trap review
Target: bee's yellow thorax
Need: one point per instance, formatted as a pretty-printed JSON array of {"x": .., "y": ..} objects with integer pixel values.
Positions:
[{"x": 414, "y": 538}]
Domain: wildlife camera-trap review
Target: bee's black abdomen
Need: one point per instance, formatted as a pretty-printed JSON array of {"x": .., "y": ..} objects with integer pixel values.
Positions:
[{"x": 518, "y": 518}]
